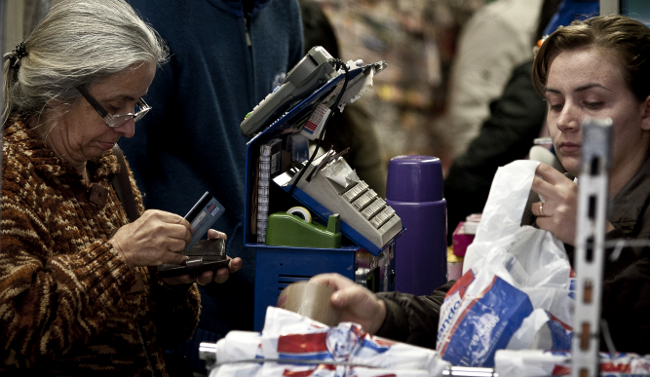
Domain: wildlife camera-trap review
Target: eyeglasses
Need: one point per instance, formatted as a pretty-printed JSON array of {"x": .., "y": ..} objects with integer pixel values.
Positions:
[{"x": 114, "y": 121}]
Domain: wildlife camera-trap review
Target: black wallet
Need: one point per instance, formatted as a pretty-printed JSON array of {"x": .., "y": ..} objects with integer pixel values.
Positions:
[{"x": 204, "y": 255}]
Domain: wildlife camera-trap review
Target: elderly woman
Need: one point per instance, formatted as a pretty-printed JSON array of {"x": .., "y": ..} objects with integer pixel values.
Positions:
[
  {"x": 79, "y": 293},
  {"x": 598, "y": 68}
]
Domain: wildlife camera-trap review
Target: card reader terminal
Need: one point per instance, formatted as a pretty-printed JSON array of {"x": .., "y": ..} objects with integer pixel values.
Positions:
[
  {"x": 338, "y": 189},
  {"x": 311, "y": 72}
]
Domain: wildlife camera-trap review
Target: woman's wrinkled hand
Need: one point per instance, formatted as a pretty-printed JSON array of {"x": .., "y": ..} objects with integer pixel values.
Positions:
[
  {"x": 357, "y": 303},
  {"x": 219, "y": 276},
  {"x": 155, "y": 238}
]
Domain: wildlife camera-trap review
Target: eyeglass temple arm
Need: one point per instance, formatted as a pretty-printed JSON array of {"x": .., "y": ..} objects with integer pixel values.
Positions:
[{"x": 99, "y": 108}]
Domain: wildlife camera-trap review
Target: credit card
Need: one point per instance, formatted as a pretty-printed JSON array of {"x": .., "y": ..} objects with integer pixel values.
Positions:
[{"x": 202, "y": 216}]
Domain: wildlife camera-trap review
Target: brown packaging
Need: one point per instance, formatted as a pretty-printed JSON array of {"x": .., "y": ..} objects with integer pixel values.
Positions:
[{"x": 310, "y": 300}]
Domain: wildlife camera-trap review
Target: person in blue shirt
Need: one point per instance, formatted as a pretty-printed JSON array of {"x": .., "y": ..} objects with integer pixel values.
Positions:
[{"x": 226, "y": 56}]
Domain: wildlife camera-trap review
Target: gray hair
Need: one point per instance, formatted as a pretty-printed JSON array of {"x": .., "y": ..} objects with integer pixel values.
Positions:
[{"x": 79, "y": 42}]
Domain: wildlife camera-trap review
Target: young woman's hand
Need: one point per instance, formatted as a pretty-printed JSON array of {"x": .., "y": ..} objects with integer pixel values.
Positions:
[
  {"x": 357, "y": 303},
  {"x": 559, "y": 212}
]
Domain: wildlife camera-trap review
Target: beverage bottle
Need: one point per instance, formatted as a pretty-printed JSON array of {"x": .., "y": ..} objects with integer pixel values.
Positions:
[{"x": 415, "y": 191}]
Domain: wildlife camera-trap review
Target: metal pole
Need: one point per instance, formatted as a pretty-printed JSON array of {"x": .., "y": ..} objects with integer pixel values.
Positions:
[
  {"x": 590, "y": 245},
  {"x": 469, "y": 372}
]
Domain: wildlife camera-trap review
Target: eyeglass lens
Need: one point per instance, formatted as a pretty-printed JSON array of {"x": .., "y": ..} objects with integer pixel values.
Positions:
[{"x": 141, "y": 109}]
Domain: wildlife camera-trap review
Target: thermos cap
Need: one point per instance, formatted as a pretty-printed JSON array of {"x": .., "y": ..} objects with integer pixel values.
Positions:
[{"x": 414, "y": 179}]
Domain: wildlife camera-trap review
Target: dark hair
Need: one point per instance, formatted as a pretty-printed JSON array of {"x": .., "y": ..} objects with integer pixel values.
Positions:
[{"x": 628, "y": 39}]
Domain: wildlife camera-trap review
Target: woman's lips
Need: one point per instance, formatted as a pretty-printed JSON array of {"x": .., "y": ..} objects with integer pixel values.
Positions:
[
  {"x": 569, "y": 147},
  {"x": 106, "y": 145}
]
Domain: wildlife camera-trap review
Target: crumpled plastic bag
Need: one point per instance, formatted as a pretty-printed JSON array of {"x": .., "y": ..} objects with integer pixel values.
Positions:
[
  {"x": 505, "y": 262},
  {"x": 478, "y": 317},
  {"x": 531, "y": 257},
  {"x": 542, "y": 331},
  {"x": 310, "y": 348}
]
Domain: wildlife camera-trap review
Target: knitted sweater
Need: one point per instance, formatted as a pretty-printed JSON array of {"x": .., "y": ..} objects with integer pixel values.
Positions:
[{"x": 69, "y": 304}]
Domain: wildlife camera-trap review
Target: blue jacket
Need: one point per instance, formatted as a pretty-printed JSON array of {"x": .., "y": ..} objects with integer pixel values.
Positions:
[{"x": 190, "y": 142}]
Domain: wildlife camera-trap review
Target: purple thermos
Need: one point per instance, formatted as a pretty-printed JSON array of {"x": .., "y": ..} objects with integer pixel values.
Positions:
[{"x": 415, "y": 190}]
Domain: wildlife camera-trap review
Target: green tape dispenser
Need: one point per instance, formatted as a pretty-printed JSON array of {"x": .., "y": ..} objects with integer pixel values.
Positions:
[{"x": 294, "y": 228}]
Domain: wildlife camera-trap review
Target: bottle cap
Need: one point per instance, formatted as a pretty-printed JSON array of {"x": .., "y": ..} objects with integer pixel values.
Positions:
[{"x": 414, "y": 179}]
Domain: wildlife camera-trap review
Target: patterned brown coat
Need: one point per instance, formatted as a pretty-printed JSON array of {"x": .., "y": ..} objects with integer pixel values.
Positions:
[{"x": 69, "y": 304}]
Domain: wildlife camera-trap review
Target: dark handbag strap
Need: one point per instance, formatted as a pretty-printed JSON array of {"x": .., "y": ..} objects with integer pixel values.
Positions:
[{"x": 122, "y": 186}]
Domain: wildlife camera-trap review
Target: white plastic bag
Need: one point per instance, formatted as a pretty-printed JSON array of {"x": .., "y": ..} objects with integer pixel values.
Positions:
[
  {"x": 504, "y": 260},
  {"x": 311, "y": 349},
  {"x": 541, "y": 331},
  {"x": 288, "y": 335},
  {"x": 530, "y": 259},
  {"x": 478, "y": 317}
]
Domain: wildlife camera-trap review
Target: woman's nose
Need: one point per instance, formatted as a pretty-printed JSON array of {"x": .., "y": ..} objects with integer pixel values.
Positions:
[
  {"x": 127, "y": 129},
  {"x": 569, "y": 118}
]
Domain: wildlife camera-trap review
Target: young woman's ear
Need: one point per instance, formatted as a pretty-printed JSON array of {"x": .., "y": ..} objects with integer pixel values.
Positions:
[{"x": 645, "y": 120}]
